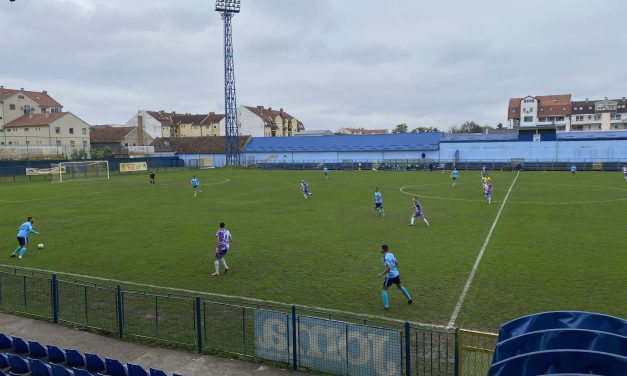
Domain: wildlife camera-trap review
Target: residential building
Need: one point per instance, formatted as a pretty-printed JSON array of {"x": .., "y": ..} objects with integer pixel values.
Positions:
[
  {"x": 567, "y": 115},
  {"x": 599, "y": 115},
  {"x": 32, "y": 119},
  {"x": 116, "y": 138},
  {"x": 554, "y": 110},
  {"x": 171, "y": 124},
  {"x": 59, "y": 129},
  {"x": 17, "y": 103},
  {"x": 361, "y": 131},
  {"x": 315, "y": 132},
  {"x": 198, "y": 151},
  {"x": 266, "y": 122}
]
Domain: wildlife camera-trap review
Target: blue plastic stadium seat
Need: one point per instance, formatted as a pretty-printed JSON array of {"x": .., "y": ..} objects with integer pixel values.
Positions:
[
  {"x": 58, "y": 370},
  {"x": 37, "y": 350},
  {"x": 17, "y": 364},
  {"x": 80, "y": 372},
  {"x": 115, "y": 368},
  {"x": 135, "y": 370},
  {"x": 5, "y": 342},
  {"x": 4, "y": 360},
  {"x": 74, "y": 358},
  {"x": 94, "y": 363},
  {"x": 157, "y": 372},
  {"x": 20, "y": 346},
  {"x": 55, "y": 355},
  {"x": 39, "y": 368}
]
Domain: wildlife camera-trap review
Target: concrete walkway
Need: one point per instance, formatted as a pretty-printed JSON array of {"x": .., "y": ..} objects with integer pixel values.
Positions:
[{"x": 185, "y": 363}]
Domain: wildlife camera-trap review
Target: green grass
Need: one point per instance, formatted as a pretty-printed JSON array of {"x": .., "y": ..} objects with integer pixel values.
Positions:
[{"x": 544, "y": 254}]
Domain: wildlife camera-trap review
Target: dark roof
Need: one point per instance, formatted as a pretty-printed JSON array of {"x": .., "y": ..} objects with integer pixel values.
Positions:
[
  {"x": 36, "y": 119},
  {"x": 167, "y": 118},
  {"x": 195, "y": 145},
  {"x": 42, "y": 98},
  {"x": 109, "y": 134},
  {"x": 390, "y": 142},
  {"x": 589, "y": 106}
]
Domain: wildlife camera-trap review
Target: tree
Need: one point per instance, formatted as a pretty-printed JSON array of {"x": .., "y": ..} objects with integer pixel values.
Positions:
[
  {"x": 400, "y": 128},
  {"x": 107, "y": 152},
  {"x": 424, "y": 129},
  {"x": 499, "y": 126},
  {"x": 467, "y": 127},
  {"x": 78, "y": 154}
]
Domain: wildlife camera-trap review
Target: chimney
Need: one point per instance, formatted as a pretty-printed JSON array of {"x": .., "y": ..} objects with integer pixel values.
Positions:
[
  {"x": 269, "y": 108},
  {"x": 45, "y": 92},
  {"x": 605, "y": 98},
  {"x": 586, "y": 100},
  {"x": 22, "y": 89},
  {"x": 140, "y": 130},
  {"x": 30, "y": 115},
  {"x": 212, "y": 113},
  {"x": 46, "y": 114},
  {"x": 281, "y": 109}
]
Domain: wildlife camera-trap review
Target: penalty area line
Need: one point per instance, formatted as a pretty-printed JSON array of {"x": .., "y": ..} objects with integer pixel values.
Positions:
[
  {"x": 460, "y": 302},
  {"x": 234, "y": 297}
]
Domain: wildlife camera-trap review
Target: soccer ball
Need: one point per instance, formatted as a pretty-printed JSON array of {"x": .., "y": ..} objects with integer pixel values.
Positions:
[{"x": 40, "y": 246}]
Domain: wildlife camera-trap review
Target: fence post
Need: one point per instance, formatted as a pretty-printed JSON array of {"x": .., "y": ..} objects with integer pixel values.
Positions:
[
  {"x": 294, "y": 349},
  {"x": 407, "y": 349},
  {"x": 198, "y": 325},
  {"x": 120, "y": 311},
  {"x": 458, "y": 353},
  {"x": 55, "y": 299}
]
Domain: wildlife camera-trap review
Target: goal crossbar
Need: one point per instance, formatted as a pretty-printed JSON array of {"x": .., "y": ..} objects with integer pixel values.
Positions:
[{"x": 84, "y": 169}]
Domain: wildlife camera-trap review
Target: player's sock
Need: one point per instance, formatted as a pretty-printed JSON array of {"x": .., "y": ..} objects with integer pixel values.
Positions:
[
  {"x": 404, "y": 291},
  {"x": 216, "y": 266},
  {"x": 22, "y": 251},
  {"x": 412, "y": 221},
  {"x": 226, "y": 267},
  {"x": 384, "y": 296},
  {"x": 16, "y": 250},
  {"x": 426, "y": 222}
]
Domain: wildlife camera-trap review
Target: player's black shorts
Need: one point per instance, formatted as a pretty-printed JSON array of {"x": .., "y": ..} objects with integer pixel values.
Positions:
[
  {"x": 387, "y": 282},
  {"x": 378, "y": 205},
  {"x": 23, "y": 241}
]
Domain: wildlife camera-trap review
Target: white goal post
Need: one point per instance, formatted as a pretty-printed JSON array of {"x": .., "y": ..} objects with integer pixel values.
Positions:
[{"x": 80, "y": 170}]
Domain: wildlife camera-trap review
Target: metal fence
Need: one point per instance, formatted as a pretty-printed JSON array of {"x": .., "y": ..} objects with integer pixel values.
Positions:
[
  {"x": 303, "y": 338},
  {"x": 434, "y": 165}
]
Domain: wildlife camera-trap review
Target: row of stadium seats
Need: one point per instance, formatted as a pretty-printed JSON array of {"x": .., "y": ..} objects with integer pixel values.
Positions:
[
  {"x": 562, "y": 342},
  {"x": 19, "y": 357}
]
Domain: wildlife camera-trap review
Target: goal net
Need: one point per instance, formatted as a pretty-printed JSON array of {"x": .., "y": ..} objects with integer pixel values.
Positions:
[{"x": 80, "y": 170}]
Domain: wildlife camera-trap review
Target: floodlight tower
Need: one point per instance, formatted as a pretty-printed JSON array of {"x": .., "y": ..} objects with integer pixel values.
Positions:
[{"x": 228, "y": 8}]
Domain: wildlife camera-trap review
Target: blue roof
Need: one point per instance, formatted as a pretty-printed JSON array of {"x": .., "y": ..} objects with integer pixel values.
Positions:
[
  {"x": 480, "y": 137},
  {"x": 585, "y": 136},
  {"x": 385, "y": 142}
]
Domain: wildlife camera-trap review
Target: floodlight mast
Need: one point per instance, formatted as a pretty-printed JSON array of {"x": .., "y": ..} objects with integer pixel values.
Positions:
[{"x": 228, "y": 8}]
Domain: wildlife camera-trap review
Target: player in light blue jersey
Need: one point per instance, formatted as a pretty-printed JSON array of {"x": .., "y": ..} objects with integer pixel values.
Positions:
[
  {"x": 454, "y": 176},
  {"x": 378, "y": 202},
  {"x": 195, "y": 184},
  {"x": 325, "y": 171},
  {"x": 573, "y": 170},
  {"x": 23, "y": 231},
  {"x": 392, "y": 276}
]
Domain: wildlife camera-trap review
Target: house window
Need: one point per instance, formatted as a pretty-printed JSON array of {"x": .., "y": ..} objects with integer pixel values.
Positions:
[
  {"x": 597, "y": 117},
  {"x": 57, "y": 130},
  {"x": 44, "y": 110},
  {"x": 84, "y": 144},
  {"x": 12, "y": 107},
  {"x": 84, "y": 130},
  {"x": 528, "y": 119},
  {"x": 71, "y": 130},
  {"x": 72, "y": 143},
  {"x": 27, "y": 142},
  {"x": 25, "y": 129},
  {"x": 579, "y": 118},
  {"x": 560, "y": 118},
  {"x": 58, "y": 142}
]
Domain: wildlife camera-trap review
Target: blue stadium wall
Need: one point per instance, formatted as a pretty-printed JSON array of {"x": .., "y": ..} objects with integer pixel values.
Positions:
[
  {"x": 545, "y": 151},
  {"x": 322, "y": 157}
]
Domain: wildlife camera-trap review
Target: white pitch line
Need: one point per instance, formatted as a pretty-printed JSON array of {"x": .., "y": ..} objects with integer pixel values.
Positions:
[
  {"x": 242, "y": 298},
  {"x": 458, "y": 307}
]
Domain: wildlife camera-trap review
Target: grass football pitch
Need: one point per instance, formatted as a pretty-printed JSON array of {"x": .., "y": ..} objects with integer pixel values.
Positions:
[{"x": 559, "y": 242}]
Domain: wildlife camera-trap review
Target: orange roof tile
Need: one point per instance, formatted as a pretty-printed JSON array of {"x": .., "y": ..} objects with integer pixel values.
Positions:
[
  {"x": 37, "y": 119},
  {"x": 42, "y": 98}
]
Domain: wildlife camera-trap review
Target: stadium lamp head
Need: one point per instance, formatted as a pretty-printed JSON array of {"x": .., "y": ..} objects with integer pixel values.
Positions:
[{"x": 229, "y": 6}]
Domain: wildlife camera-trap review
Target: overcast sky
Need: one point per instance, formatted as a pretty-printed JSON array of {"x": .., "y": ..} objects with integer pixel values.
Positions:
[{"x": 330, "y": 63}]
